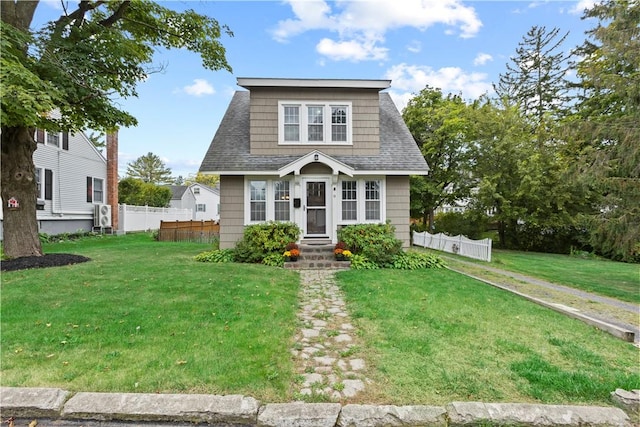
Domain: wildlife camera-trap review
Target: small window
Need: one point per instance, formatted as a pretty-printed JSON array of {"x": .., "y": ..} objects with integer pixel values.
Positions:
[
  {"x": 53, "y": 138},
  {"x": 39, "y": 186},
  {"x": 372, "y": 200},
  {"x": 349, "y": 200},
  {"x": 258, "y": 200},
  {"x": 196, "y": 190},
  {"x": 201, "y": 207},
  {"x": 95, "y": 190}
]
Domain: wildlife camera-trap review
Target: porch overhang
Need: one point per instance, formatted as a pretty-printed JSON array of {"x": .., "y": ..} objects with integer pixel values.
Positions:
[{"x": 316, "y": 156}]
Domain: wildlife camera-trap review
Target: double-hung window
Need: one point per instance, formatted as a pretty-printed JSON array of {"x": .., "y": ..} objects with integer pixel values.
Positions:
[
  {"x": 201, "y": 207},
  {"x": 349, "y": 200},
  {"x": 55, "y": 139},
  {"x": 269, "y": 200},
  {"x": 44, "y": 183},
  {"x": 95, "y": 190},
  {"x": 361, "y": 200},
  {"x": 372, "y": 201},
  {"x": 314, "y": 122}
]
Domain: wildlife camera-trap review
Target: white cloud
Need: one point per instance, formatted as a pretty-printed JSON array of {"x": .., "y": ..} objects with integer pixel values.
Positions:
[
  {"x": 199, "y": 87},
  {"x": 415, "y": 46},
  {"x": 362, "y": 25},
  {"x": 581, "y": 5},
  {"x": 352, "y": 50},
  {"x": 408, "y": 80},
  {"x": 482, "y": 58}
]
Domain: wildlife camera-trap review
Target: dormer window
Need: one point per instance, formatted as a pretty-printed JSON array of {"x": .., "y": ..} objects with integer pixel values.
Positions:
[{"x": 314, "y": 122}]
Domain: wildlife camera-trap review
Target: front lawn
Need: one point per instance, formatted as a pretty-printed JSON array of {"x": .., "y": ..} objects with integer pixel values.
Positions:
[
  {"x": 143, "y": 316},
  {"x": 434, "y": 336}
]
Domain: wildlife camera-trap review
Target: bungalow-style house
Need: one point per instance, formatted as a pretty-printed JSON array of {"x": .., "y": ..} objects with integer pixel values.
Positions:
[
  {"x": 323, "y": 153},
  {"x": 71, "y": 179},
  {"x": 203, "y": 200}
]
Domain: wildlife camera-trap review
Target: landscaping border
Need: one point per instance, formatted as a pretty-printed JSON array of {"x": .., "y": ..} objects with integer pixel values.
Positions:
[{"x": 237, "y": 410}]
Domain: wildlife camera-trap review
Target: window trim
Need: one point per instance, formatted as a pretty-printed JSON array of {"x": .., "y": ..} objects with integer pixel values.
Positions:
[
  {"x": 361, "y": 201},
  {"x": 201, "y": 207},
  {"x": 269, "y": 199},
  {"x": 91, "y": 190},
  {"x": 303, "y": 121}
]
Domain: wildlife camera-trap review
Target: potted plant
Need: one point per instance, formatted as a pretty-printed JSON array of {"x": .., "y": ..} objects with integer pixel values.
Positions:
[
  {"x": 291, "y": 252},
  {"x": 339, "y": 249}
]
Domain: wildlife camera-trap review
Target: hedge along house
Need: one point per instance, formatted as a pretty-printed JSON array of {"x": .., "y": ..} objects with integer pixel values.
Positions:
[{"x": 323, "y": 153}]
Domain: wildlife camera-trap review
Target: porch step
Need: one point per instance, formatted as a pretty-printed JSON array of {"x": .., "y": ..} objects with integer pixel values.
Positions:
[
  {"x": 317, "y": 265},
  {"x": 317, "y": 256}
]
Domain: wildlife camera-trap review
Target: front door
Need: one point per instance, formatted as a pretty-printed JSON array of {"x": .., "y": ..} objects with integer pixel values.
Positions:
[{"x": 316, "y": 208}]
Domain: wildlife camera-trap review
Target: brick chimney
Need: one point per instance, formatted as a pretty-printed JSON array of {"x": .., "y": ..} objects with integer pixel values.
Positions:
[{"x": 112, "y": 176}]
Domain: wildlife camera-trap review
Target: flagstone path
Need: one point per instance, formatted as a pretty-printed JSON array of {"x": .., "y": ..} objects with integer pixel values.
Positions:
[{"x": 326, "y": 351}]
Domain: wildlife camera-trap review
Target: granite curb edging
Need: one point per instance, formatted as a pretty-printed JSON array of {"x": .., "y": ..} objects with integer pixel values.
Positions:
[{"x": 238, "y": 410}]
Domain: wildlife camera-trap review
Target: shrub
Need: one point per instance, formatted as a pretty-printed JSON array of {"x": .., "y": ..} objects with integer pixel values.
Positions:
[
  {"x": 469, "y": 223},
  {"x": 260, "y": 240},
  {"x": 376, "y": 242},
  {"x": 218, "y": 256},
  {"x": 273, "y": 260},
  {"x": 360, "y": 262},
  {"x": 413, "y": 260}
]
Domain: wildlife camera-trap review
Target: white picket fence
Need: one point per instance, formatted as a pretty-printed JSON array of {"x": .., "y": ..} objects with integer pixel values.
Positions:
[
  {"x": 143, "y": 218},
  {"x": 460, "y": 245}
]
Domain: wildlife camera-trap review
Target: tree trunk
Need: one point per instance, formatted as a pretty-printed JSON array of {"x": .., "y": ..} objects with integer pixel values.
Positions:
[{"x": 18, "y": 189}]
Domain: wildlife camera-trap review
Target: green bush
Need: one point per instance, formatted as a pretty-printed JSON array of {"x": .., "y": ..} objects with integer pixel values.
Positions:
[
  {"x": 360, "y": 262},
  {"x": 413, "y": 260},
  {"x": 376, "y": 242},
  {"x": 261, "y": 240},
  {"x": 218, "y": 256},
  {"x": 274, "y": 260},
  {"x": 470, "y": 224}
]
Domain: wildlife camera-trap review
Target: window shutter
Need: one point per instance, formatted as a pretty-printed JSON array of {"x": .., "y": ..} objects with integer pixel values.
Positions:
[
  {"x": 89, "y": 189},
  {"x": 40, "y": 136},
  {"x": 65, "y": 141},
  {"x": 48, "y": 184}
]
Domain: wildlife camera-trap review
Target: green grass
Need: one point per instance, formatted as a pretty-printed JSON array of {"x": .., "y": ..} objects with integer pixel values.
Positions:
[
  {"x": 607, "y": 278},
  {"x": 143, "y": 316},
  {"x": 434, "y": 336}
]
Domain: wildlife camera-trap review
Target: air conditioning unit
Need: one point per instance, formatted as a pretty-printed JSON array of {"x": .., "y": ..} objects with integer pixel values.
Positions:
[{"x": 102, "y": 216}]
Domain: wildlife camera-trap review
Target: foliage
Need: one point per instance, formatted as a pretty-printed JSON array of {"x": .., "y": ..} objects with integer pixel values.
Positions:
[
  {"x": 273, "y": 260},
  {"x": 201, "y": 178},
  {"x": 133, "y": 191},
  {"x": 217, "y": 256},
  {"x": 414, "y": 260},
  {"x": 360, "y": 262},
  {"x": 605, "y": 128},
  {"x": 470, "y": 223},
  {"x": 444, "y": 131},
  {"x": 260, "y": 240},
  {"x": 150, "y": 169},
  {"x": 376, "y": 242},
  {"x": 79, "y": 65}
]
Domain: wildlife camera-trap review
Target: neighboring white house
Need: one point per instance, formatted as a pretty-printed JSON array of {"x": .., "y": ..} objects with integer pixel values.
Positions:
[
  {"x": 71, "y": 177},
  {"x": 204, "y": 201}
]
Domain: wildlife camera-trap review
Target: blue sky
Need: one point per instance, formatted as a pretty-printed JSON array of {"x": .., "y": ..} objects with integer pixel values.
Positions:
[{"x": 458, "y": 46}]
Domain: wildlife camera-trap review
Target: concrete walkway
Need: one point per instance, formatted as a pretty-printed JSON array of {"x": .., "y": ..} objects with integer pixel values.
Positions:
[{"x": 326, "y": 348}]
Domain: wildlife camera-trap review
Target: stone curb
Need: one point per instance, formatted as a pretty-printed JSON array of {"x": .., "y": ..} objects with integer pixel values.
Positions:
[{"x": 237, "y": 410}]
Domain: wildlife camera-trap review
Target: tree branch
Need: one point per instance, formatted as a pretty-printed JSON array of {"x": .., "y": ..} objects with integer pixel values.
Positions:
[{"x": 117, "y": 15}]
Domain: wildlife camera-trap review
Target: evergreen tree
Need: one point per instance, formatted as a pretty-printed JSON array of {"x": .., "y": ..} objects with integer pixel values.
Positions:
[{"x": 150, "y": 168}]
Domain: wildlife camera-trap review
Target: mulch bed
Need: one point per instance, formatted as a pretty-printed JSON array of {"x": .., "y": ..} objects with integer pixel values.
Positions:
[{"x": 44, "y": 261}]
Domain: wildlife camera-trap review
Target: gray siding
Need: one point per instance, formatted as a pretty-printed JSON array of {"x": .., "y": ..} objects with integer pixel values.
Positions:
[
  {"x": 231, "y": 210},
  {"x": 264, "y": 120},
  {"x": 398, "y": 206}
]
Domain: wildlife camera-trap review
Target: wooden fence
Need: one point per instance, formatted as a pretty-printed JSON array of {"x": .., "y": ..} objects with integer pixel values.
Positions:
[
  {"x": 189, "y": 231},
  {"x": 477, "y": 249}
]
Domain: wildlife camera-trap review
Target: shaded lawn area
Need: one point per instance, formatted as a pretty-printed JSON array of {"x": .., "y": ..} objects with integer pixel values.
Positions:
[
  {"x": 434, "y": 336},
  {"x": 142, "y": 316},
  {"x": 604, "y": 277}
]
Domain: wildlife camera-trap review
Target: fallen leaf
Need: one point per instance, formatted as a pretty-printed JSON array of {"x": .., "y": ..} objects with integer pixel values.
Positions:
[
  {"x": 181, "y": 362},
  {"x": 33, "y": 423}
]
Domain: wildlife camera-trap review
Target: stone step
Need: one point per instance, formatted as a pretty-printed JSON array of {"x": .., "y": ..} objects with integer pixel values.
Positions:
[{"x": 320, "y": 264}]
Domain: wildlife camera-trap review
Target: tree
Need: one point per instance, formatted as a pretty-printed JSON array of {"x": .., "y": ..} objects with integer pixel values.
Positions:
[
  {"x": 150, "y": 168},
  {"x": 536, "y": 80},
  {"x": 76, "y": 65},
  {"x": 607, "y": 123},
  {"x": 442, "y": 128},
  {"x": 201, "y": 178},
  {"x": 133, "y": 191}
]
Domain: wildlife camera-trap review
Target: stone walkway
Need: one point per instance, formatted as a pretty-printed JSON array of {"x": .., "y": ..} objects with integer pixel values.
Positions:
[{"x": 326, "y": 350}]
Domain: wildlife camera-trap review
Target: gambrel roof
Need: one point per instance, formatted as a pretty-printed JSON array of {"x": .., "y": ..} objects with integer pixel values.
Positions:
[{"x": 229, "y": 152}]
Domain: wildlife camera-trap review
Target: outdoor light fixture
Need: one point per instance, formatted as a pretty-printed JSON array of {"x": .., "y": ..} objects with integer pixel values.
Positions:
[{"x": 316, "y": 157}]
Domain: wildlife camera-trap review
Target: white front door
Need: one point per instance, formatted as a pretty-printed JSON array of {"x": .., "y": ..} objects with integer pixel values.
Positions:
[{"x": 316, "y": 207}]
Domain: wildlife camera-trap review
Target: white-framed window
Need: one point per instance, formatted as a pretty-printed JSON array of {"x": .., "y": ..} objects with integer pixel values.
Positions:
[
  {"x": 268, "y": 200},
  {"x": 314, "y": 122},
  {"x": 95, "y": 190},
  {"x": 349, "y": 200},
  {"x": 361, "y": 200},
  {"x": 258, "y": 201},
  {"x": 201, "y": 207},
  {"x": 54, "y": 139},
  {"x": 44, "y": 183},
  {"x": 39, "y": 183},
  {"x": 196, "y": 190}
]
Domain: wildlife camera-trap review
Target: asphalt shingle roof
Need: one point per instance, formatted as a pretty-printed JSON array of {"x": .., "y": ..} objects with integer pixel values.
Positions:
[{"x": 229, "y": 149}]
